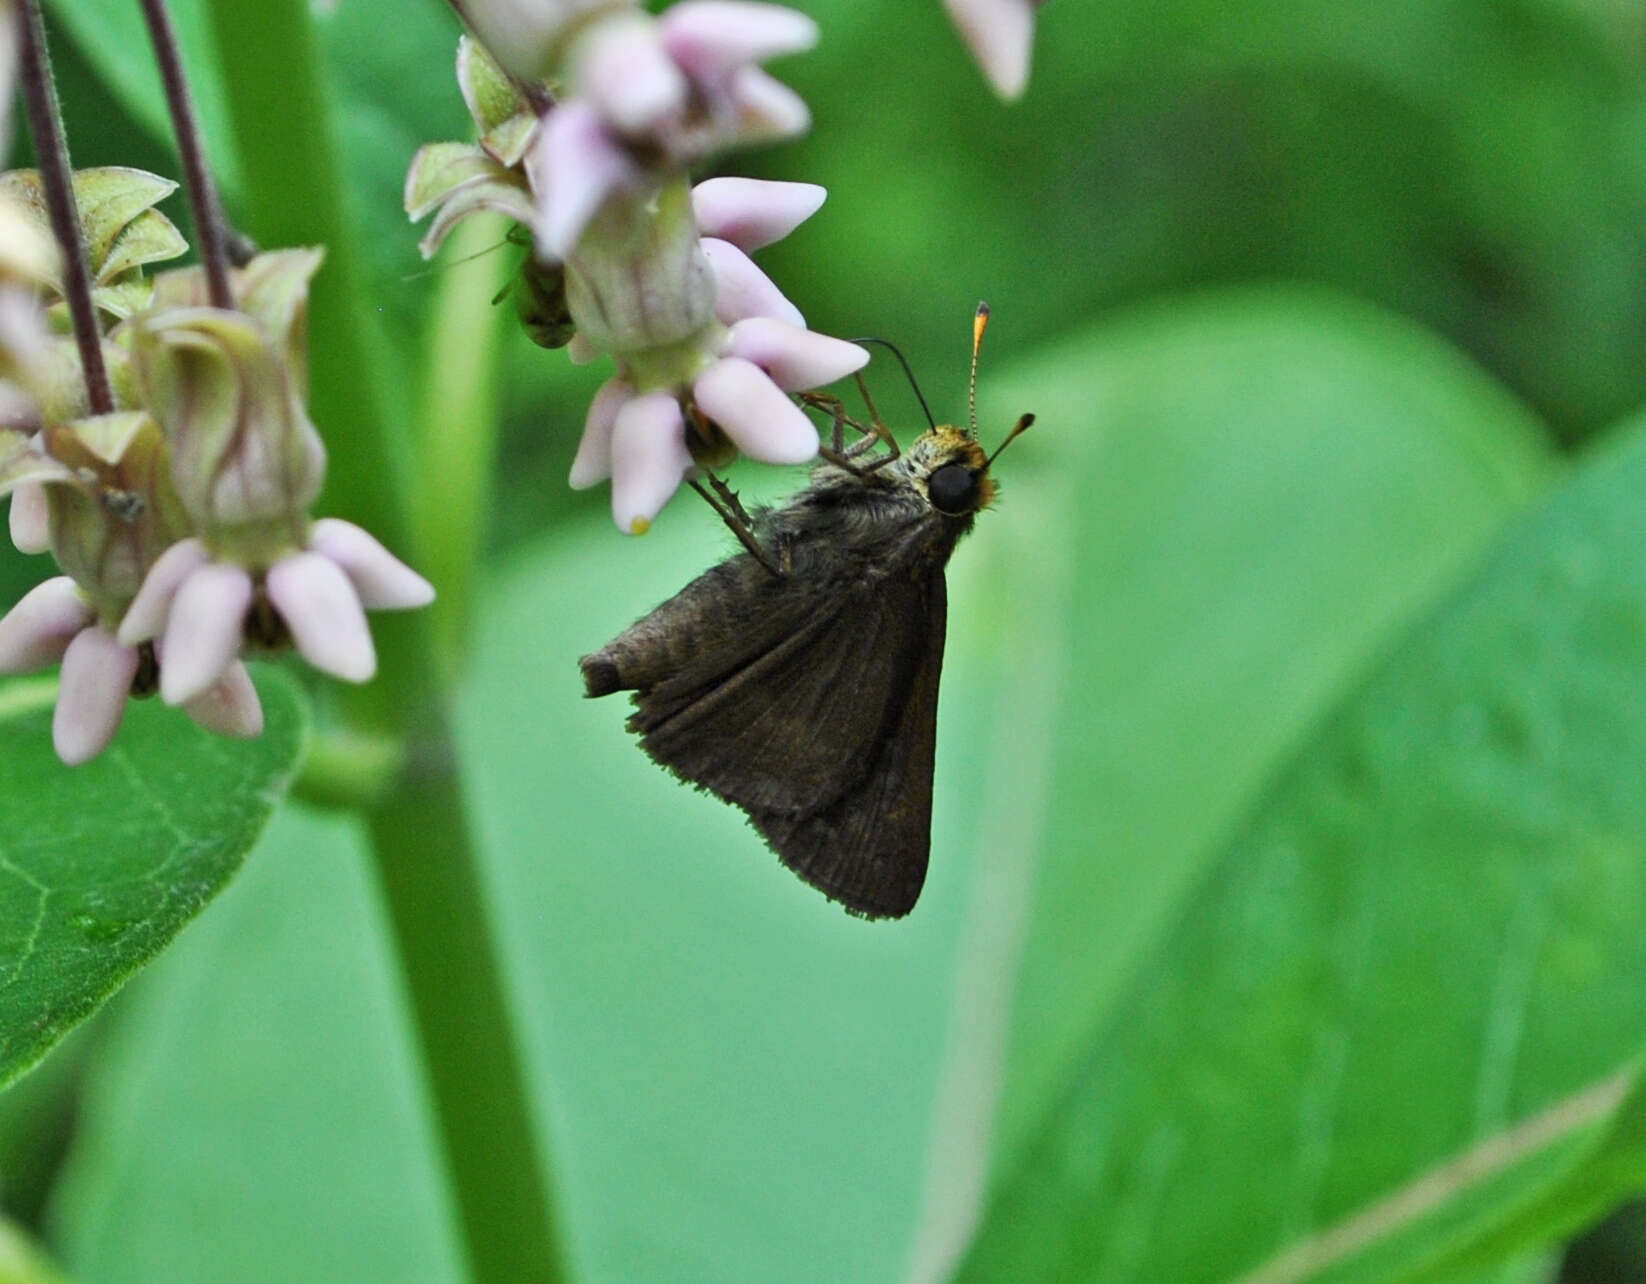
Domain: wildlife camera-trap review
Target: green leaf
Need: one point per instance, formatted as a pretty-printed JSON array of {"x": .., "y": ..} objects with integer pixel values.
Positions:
[
  {"x": 102, "y": 865},
  {"x": 1613, "y": 1170},
  {"x": 264, "y": 1062},
  {"x": 1260, "y": 487},
  {"x": 21, "y": 1262},
  {"x": 1408, "y": 996}
]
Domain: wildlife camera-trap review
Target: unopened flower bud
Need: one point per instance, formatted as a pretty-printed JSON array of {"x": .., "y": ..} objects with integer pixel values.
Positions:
[{"x": 230, "y": 391}]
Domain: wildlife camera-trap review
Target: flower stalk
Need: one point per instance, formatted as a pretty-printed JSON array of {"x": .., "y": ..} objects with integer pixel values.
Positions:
[
  {"x": 45, "y": 119},
  {"x": 204, "y": 205}
]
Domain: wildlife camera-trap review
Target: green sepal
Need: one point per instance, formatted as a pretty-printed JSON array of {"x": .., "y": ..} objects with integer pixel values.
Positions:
[
  {"x": 439, "y": 169},
  {"x": 503, "y": 117},
  {"x": 121, "y": 227},
  {"x": 151, "y": 237},
  {"x": 506, "y": 196},
  {"x": 21, "y": 461}
]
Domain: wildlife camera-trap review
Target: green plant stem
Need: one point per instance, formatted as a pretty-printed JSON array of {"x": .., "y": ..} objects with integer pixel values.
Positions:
[
  {"x": 434, "y": 889},
  {"x": 430, "y": 876},
  {"x": 457, "y": 420}
]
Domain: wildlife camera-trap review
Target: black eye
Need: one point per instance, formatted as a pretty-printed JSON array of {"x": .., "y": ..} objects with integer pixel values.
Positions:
[{"x": 952, "y": 489}]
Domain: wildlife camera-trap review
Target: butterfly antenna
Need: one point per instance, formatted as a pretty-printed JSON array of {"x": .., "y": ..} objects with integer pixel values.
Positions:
[
  {"x": 902, "y": 361},
  {"x": 980, "y": 323},
  {"x": 1012, "y": 436}
]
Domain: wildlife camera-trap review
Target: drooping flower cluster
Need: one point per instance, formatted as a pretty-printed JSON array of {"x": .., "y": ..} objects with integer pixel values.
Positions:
[
  {"x": 180, "y": 519},
  {"x": 627, "y": 254}
]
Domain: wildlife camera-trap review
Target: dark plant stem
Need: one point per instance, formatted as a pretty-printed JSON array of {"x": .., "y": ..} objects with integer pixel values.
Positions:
[
  {"x": 204, "y": 205},
  {"x": 57, "y": 178}
]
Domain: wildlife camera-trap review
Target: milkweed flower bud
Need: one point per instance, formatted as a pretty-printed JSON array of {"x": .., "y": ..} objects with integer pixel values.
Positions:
[
  {"x": 230, "y": 389},
  {"x": 651, "y": 97},
  {"x": 999, "y": 33}
]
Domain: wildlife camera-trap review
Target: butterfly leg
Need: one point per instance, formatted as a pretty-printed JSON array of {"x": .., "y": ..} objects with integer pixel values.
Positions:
[
  {"x": 837, "y": 452},
  {"x": 836, "y": 410},
  {"x": 723, "y": 499},
  {"x": 878, "y": 432}
]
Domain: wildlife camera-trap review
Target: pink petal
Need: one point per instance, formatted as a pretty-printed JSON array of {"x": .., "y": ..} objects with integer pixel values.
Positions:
[
  {"x": 319, "y": 606},
  {"x": 573, "y": 168},
  {"x": 203, "y": 630},
  {"x": 753, "y": 212},
  {"x": 767, "y": 108},
  {"x": 229, "y": 706},
  {"x": 30, "y": 518},
  {"x": 751, "y": 410},
  {"x": 743, "y": 290},
  {"x": 999, "y": 34},
  {"x": 91, "y": 694},
  {"x": 628, "y": 77},
  {"x": 594, "y": 450},
  {"x": 649, "y": 459},
  {"x": 145, "y": 618},
  {"x": 708, "y": 38},
  {"x": 37, "y": 631},
  {"x": 382, "y": 580},
  {"x": 796, "y": 359}
]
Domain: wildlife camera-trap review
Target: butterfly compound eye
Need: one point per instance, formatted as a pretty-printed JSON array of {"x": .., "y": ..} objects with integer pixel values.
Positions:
[{"x": 952, "y": 489}]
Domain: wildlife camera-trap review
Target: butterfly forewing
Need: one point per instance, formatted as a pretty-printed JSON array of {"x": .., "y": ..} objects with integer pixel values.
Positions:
[
  {"x": 795, "y": 728},
  {"x": 868, "y": 849}
]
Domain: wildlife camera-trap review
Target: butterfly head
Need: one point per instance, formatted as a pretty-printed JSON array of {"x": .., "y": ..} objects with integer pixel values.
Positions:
[
  {"x": 950, "y": 470},
  {"x": 948, "y": 465}
]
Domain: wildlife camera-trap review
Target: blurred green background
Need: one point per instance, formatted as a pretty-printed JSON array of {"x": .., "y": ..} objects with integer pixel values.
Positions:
[{"x": 1288, "y": 837}]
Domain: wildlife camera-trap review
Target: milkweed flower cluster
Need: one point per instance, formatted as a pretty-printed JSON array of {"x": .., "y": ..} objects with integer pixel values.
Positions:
[
  {"x": 180, "y": 518},
  {"x": 629, "y": 259}
]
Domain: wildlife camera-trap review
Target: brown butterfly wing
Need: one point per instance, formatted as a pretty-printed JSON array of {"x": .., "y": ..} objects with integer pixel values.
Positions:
[
  {"x": 795, "y": 727},
  {"x": 868, "y": 848}
]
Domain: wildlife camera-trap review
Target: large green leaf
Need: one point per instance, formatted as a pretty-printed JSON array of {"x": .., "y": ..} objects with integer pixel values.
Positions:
[
  {"x": 102, "y": 865},
  {"x": 1410, "y": 995},
  {"x": 263, "y": 1063},
  {"x": 1260, "y": 488}
]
